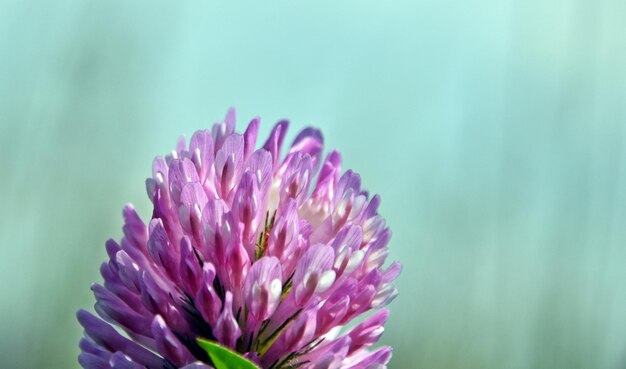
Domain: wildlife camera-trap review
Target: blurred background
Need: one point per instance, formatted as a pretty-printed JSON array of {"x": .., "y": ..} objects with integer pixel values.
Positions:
[{"x": 493, "y": 130}]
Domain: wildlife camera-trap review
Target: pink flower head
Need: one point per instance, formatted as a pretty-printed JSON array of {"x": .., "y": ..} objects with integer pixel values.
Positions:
[{"x": 267, "y": 255}]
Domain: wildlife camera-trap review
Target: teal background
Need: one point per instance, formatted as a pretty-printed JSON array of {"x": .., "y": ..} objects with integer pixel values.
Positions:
[{"x": 493, "y": 130}]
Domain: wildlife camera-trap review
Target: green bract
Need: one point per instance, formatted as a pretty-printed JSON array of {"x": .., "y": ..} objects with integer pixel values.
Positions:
[{"x": 224, "y": 358}]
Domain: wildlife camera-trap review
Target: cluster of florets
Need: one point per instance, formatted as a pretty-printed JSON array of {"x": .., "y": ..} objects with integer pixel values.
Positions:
[{"x": 246, "y": 250}]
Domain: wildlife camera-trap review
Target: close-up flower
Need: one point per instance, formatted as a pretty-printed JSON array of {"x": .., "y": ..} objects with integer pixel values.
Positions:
[{"x": 279, "y": 260}]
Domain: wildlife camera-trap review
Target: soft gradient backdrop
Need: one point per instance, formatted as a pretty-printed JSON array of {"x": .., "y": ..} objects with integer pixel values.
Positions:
[{"x": 494, "y": 130}]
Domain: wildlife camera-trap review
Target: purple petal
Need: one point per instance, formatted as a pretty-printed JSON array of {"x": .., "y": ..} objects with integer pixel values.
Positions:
[
  {"x": 134, "y": 228},
  {"x": 295, "y": 180},
  {"x": 160, "y": 167},
  {"x": 119, "y": 361},
  {"x": 89, "y": 361},
  {"x": 372, "y": 227},
  {"x": 314, "y": 273},
  {"x": 106, "y": 336},
  {"x": 328, "y": 177},
  {"x": 224, "y": 129},
  {"x": 110, "y": 306},
  {"x": 331, "y": 313},
  {"x": 197, "y": 365},
  {"x": 182, "y": 171},
  {"x": 384, "y": 296},
  {"x": 190, "y": 269},
  {"x": 377, "y": 359},
  {"x": 245, "y": 207},
  {"x": 159, "y": 297},
  {"x": 237, "y": 266},
  {"x": 230, "y": 119},
  {"x": 207, "y": 301},
  {"x": 219, "y": 232},
  {"x": 226, "y": 329},
  {"x": 377, "y": 252},
  {"x": 113, "y": 283},
  {"x": 250, "y": 136},
  {"x": 112, "y": 248},
  {"x": 309, "y": 141},
  {"x": 360, "y": 302},
  {"x": 202, "y": 153},
  {"x": 128, "y": 271},
  {"x": 229, "y": 163},
  {"x": 89, "y": 346},
  {"x": 275, "y": 141},
  {"x": 260, "y": 164},
  {"x": 368, "y": 332},
  {"x": 168, "y": 344},
  {"x": 190, "y": 221},
  {"x": 193, "y": 194},
  {"x": 392, "y": 272},
  {"x": 161, "y": 250},
  {"x": 346, "y": 245},
  {"x": 330, "y": 355},
  {"x": 263, "y": 287},
  {"x": 283, "y": 240}
]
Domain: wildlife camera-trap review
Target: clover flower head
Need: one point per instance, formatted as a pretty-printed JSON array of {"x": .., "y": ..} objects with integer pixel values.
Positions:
[{"x": 267, "y": 257}]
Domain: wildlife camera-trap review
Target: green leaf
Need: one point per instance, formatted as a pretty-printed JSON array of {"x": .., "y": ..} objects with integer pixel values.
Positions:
[{"x": 225, "y": 358}]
